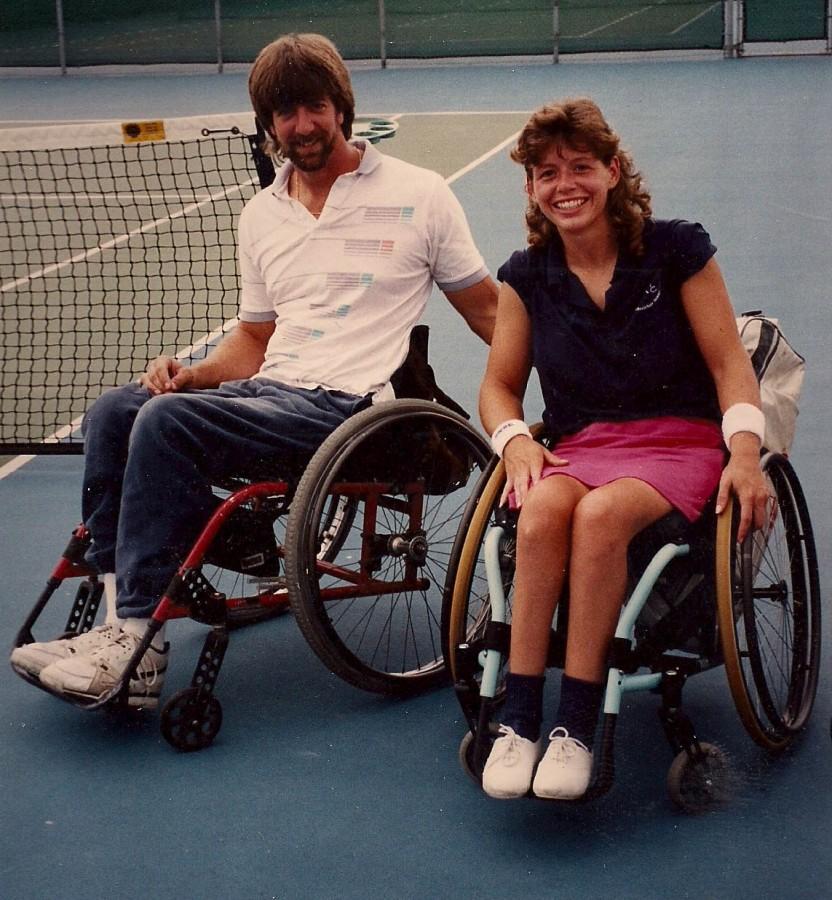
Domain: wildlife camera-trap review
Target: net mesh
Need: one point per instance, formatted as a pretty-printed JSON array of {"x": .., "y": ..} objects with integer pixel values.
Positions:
[{"x": 110, "y": 255}]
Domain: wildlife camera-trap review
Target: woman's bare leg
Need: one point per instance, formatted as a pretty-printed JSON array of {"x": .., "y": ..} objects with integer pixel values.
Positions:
[
  {"x": 543, "y": 541},
  {"x": 604, "y": 523}
]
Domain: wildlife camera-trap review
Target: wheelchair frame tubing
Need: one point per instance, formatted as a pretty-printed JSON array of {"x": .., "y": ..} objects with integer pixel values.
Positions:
[{"x": 618, "y": 682}]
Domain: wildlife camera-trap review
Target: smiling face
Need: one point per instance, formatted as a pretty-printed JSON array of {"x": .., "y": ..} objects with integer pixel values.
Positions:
[
  {"x": 308, "y": 133},
  {"x": 571, "y": 186}
]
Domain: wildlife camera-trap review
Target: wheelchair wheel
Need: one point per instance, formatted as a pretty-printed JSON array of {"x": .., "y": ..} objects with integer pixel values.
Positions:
[
  {"x": 369, "y": 538},
  {"x": 466, "y": 610},
  {"x": 701, "y": 783},
  {"x": 243, "y": 562},
  {"x": 190, "y": 722},
  {"x": 768, "y": 606}
]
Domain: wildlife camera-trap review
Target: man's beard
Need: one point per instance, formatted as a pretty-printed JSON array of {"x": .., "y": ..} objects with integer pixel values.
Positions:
[{"x": 310, "y": 162}]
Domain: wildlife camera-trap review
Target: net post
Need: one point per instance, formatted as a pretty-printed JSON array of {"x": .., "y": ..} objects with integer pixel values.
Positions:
[
  {"x": 382, "y": 34},
  {"x": 59, "y": 21},
  {"x": 218, "y": 32},
  {"x": 556, "y": 31}
]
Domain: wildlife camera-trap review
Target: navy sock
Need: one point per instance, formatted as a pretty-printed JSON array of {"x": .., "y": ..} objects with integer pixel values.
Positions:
[
  {"x": 580, "y": 703},
  {"x": 524, "y": 705}
]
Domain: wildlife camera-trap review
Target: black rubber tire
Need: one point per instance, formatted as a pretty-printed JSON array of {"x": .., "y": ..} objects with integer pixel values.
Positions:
[
  {"x": 768, "y": 600},
  {"x": 189, "y": 723},
  {"x": 387, "y": 642},
  {"x": 703, "y": 783}
]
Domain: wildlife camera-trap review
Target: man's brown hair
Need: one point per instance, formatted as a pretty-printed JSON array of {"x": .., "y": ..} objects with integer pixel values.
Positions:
[{"x": 299, "y": 69}]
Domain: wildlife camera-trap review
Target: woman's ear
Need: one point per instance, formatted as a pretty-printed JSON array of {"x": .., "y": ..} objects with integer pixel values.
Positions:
[{"x": 614, "y": 169}]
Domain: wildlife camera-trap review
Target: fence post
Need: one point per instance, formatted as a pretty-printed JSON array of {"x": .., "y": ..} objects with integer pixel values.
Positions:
[
  {"x": 218, "y": 32},
  {"x": 59, "y": 20},
  {"x": 732, "y": 21},
  {"x": 556, "y": 30},
  {"x": 382, "y": 32},
  {"x": 829, "y": 26}
]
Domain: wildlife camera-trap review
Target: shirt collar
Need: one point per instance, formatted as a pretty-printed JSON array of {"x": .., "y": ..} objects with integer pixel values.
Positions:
[{"x": 370, "y": 160}]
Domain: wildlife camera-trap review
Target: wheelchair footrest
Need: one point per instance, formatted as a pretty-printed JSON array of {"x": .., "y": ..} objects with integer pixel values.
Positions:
[{"x": 210, "y": 660}]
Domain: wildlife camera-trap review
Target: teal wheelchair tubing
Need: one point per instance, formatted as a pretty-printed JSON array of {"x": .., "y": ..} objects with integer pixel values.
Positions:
[{"x": 618, "y": 683}]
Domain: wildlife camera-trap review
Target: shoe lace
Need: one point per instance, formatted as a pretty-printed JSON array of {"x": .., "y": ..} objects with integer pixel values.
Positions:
[
  {"x": 509, "y": 746},
  {"x": 562, "y": 747},
  {"x": 128, "y": 642}
]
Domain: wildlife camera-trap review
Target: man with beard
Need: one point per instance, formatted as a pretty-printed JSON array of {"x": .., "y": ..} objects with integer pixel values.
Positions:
[{"x": 338, "y": 258}]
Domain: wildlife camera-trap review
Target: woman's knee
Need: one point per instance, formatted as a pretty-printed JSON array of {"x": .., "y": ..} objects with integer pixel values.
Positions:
[
  {"x": 604, "y": 522},
  {"x": 548, "y": 509}
]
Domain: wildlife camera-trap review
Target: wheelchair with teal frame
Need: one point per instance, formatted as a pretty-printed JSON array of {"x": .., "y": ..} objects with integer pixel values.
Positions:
[
  {"x": 697, "y": 599},
  {"x": 355, "y": 541}
]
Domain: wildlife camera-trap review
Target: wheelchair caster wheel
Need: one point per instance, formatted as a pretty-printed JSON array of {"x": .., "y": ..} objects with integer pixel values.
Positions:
[
  {"x": 189, "y": 722},
  {"x": 699, "y": 784},
  {"x": 466, "y": 758}
]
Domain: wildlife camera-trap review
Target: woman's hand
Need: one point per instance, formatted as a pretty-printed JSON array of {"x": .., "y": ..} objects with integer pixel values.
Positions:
[
  {"x": 166, "y": 374},
  {"x": 744, "y": 478},
  {"x": 524, "y": 459}
]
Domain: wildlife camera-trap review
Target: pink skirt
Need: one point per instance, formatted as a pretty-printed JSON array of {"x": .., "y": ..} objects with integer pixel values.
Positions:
[{"x": 681, "y": 458}]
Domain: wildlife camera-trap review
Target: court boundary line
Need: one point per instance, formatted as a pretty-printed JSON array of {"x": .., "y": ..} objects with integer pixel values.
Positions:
[{"x": 18, "y": 462}]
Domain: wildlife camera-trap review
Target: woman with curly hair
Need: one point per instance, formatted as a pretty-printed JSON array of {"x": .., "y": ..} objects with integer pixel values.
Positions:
[{"x": 628, "y": 322}]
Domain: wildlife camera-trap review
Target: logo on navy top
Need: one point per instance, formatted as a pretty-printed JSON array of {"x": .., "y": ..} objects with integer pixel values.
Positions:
[{"x": 652, "y": 295}]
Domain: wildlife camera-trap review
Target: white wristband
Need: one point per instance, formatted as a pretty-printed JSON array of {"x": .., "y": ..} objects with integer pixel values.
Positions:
[
  {"x": 504, "y": 433},
  {"x": 743, "y": 417}
]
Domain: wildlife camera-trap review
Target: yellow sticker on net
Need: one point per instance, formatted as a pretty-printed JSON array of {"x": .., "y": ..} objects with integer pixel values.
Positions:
[{"x": 135, "y": 132}]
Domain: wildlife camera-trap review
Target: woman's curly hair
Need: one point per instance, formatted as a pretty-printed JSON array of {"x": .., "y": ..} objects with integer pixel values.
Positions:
[{"x": 579, "y": 124}]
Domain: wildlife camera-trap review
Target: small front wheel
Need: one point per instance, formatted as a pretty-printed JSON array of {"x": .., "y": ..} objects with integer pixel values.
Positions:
[
  {"x": 190, "y": 721},
  {"x": 703, "y": 781}
]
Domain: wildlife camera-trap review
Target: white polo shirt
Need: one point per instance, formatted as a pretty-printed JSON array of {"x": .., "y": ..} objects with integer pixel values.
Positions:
[{"x": 346, "y": 288}]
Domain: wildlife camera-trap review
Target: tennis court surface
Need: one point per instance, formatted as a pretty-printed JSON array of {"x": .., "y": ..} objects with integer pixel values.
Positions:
[{"x": 312, "y": 788}]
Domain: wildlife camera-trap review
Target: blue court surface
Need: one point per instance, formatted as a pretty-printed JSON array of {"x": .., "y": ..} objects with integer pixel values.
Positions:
[{"x": 314, "y": 789}]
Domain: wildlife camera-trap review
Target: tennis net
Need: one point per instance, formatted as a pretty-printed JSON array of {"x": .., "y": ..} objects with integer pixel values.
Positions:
[{"x": 117, "y": 244}]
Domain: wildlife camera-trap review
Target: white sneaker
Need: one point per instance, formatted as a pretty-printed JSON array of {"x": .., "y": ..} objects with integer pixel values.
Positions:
[
  {"x": 31, "y": 659},
  {"x": 91, "y": 676},
  {"x": 565, "y": 770},
  {"x": 510, "y": 765}
]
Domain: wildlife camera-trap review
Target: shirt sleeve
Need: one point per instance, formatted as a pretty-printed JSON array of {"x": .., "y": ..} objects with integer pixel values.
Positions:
[
  {"x": 255, "y": 305},
  {"x": 455, "y": 262},
  {"x": 689, "y": 248},
  {"x": 515, "y": 273}
]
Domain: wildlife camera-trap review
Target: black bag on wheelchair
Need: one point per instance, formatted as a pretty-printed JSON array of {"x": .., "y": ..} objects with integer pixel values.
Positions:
[{"x": 437, "y": 460}]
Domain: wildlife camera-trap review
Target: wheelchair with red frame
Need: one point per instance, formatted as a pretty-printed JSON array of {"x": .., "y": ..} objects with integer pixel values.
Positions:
[
  {"x": 698, "y": 598},
  {"x": 356, "y": 541}
]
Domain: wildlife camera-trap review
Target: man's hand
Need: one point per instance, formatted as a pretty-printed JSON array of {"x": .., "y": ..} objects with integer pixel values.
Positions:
[{"x": 165, "y": 374}]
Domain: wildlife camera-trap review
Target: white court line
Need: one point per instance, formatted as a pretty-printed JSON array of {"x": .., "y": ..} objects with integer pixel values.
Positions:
[
  {"x": 695, "y": 18},
  {"x": 19, "y": 461},
  {"x": 636, "y": 12}
]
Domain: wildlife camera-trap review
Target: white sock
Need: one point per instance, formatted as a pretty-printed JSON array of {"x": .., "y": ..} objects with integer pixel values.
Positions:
[
  {"x": 138, "y": 627},
  {"x": 109, "y": 579}
]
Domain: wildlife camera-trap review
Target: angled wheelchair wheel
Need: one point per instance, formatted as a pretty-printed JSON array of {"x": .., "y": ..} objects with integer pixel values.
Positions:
[
  {"x": 369, "y": 538},
  {"x": 768, "y": 606},
  {"x": 466, "y": 610}
]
